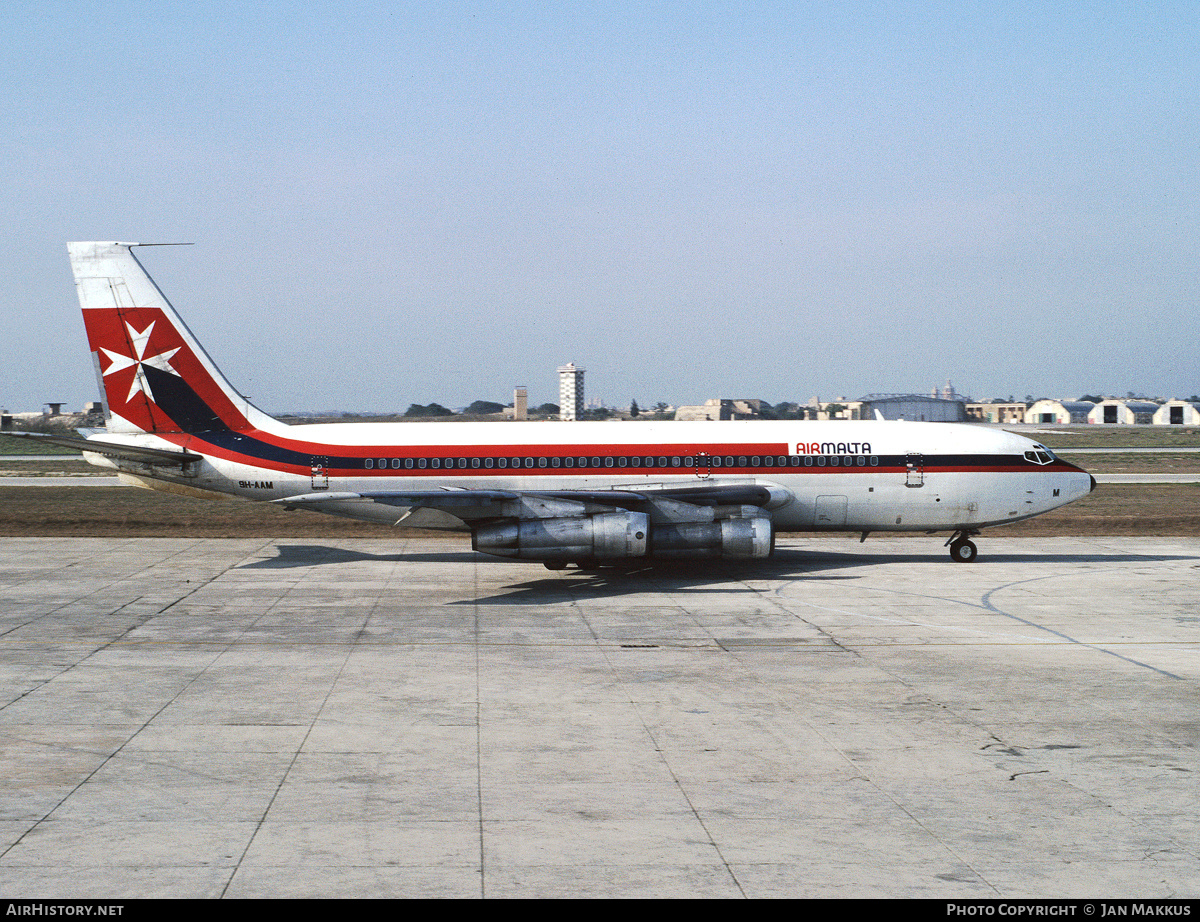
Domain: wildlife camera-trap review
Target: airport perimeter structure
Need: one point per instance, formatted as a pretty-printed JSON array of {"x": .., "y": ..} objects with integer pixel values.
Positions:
[{"x": 341, "y": 717}]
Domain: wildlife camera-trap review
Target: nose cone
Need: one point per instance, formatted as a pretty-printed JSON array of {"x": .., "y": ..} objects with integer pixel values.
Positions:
[{"x": 1076, "y": 484}]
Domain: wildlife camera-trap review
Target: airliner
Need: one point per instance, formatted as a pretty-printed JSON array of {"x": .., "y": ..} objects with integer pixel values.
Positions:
[{"x": 560, "y": 493}]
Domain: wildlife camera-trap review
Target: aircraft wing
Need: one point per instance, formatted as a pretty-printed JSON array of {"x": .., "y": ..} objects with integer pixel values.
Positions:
[
  {"x": 155, "y": 457},
  {"x": 473, "y": 507},
  {"x": 561, "y": 525}
]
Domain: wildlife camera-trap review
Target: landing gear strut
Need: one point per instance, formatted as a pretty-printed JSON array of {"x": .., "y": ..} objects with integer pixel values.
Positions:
[{"x": 962, "y": 549}]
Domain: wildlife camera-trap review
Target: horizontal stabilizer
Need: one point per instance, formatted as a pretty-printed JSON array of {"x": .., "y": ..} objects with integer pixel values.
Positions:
[{"x": 158, "y": 457}]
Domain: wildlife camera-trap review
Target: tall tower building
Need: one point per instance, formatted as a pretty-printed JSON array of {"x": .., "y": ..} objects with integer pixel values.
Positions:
[{"x": 570, "y": 391}]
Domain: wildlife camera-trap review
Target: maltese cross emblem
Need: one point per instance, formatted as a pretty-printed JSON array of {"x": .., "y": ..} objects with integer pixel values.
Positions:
[{"x": 119, "y": 362}]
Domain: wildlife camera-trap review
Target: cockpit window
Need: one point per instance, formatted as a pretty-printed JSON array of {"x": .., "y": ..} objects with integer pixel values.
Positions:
[{"x": 1039, "y": 456}]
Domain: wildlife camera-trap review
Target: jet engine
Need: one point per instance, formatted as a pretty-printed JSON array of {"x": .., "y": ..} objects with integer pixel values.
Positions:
[
  {"x": 606, "y": 536},
  {"x": 622, "y": 535},
  {"x": 737, "y": 537}
]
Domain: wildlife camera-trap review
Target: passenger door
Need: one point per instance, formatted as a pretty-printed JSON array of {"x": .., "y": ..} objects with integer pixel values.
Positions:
[
  {"x": 320, "y": 473},
  {"x": 915, "y": 470}
]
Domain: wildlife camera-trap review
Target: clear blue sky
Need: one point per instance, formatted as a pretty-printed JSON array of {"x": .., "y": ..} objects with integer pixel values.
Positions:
[{"x": 396, "y": 203}]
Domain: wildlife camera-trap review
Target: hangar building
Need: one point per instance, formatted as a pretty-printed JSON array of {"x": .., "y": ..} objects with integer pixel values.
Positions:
[
  {"x": 1060, "y": 412},
  {"x": 913, "y": 407},
  {"x": 1123, "y": 412},
  {"x": 1177, "y": 413}
]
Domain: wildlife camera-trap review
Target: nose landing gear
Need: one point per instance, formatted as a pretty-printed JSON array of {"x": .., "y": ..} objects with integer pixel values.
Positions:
[{"x": 962, "y": 548}]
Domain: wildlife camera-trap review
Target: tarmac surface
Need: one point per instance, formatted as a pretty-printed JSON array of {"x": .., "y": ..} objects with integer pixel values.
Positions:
[{"x": 253, "y": 718}]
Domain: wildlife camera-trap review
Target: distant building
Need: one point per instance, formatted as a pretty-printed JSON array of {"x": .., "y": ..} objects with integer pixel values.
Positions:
[
  {"x": 1178, "y": 413},
  {"x": 570, "y": 391},
  {"x": 998, "y": 412},
  {"x": 843, "y": 409},
  {"x": 1058, "y": 412},
  {"x": 520, "y": 403},
  {"x": 722, "y": 408},
  {"x": 945, "y": 393},
  {"x": 1123, "y": 412}
]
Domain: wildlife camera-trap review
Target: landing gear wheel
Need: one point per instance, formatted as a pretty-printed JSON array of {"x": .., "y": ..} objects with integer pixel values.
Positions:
[{"x": 963, "y": 551}]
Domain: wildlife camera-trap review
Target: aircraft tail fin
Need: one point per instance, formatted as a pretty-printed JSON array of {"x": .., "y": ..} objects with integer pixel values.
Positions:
[{"x": 154, "y": 375}]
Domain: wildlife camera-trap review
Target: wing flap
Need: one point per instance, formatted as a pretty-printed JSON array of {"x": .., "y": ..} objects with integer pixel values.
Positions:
[{"x": 470, "y": 507}]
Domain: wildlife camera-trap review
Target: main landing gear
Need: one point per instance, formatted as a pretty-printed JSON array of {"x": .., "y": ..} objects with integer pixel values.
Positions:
[{"x": 962, "y": 548}]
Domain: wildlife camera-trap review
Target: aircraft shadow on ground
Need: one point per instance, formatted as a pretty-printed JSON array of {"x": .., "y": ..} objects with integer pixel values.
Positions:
[
  {"x": 727, "y": 577},
  {"x": 679, "y": 575},
  {"x": 316, "y": 555}
]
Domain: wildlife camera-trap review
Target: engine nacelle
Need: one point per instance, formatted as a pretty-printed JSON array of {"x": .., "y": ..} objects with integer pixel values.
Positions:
[
  {"x": 607, "y": 536},
  {"x": 738, "y": 537}
]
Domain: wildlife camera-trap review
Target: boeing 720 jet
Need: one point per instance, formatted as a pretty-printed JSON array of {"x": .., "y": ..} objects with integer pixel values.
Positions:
[{"x": 586, "y": 493}]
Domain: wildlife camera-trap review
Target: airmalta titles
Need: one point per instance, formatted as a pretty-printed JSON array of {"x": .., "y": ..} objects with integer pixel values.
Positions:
[{"x": 833, "y": 448}]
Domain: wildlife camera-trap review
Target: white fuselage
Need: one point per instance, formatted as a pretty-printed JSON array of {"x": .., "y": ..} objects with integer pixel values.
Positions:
[{"x": 840, "y": 476}]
